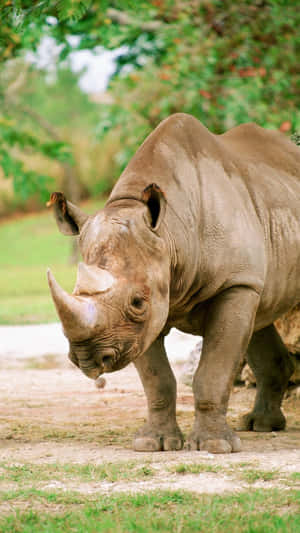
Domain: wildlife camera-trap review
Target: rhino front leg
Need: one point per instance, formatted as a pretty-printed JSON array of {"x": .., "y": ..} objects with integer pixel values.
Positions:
[
  {"x": 269, "y": 359},
  {"x": 228, "y": 328},
  {"x": 161, "y": 431}
]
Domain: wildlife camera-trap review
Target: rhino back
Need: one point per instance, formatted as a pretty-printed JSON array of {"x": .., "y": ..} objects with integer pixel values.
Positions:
[{"x": 233, "y": 208}]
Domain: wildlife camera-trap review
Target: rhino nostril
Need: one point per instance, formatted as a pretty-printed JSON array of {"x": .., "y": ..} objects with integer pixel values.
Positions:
[{"x": 107, "y": 363}]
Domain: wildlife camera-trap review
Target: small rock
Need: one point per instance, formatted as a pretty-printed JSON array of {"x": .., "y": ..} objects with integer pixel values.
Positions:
[{"x": 191, "y": 365}]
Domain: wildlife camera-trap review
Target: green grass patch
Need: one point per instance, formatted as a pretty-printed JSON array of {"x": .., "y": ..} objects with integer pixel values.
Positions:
[
  {"x": 295, "y": 476},
  {"x": 35, "y": 497},
  {"x": 28, "y": 246},
  {"x": 25, "y": 473},
  {"x": 257, "y": 511},
  {"x": 21, "y": 310},
  {"x": 194, "y": 468},
  {"x": 239, "y": 470},
  {"x": 252, "y": 475}
]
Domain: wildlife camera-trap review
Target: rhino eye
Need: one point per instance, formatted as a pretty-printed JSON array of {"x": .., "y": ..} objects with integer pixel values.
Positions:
[{"x": 137, "y": 309}]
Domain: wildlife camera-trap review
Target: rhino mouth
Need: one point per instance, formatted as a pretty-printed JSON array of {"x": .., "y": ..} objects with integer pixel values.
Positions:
[{"x": 94, "y": 359}]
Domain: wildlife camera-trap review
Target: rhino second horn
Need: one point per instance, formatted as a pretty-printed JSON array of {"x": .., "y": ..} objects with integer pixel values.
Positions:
[
  {"x": 77, "y": 313},
  {"x": 92, "y": 279}
]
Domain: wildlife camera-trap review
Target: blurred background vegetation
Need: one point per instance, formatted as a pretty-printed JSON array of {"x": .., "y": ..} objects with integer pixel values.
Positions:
[{"x": 224, "y": 62}]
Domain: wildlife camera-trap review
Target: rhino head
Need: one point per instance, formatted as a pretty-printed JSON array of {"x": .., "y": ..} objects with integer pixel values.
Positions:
[{"x": 120, "y": 302}]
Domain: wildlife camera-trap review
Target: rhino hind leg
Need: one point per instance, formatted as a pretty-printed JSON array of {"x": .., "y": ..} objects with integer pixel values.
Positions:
[
  {"x": 161, "y": 431},
  {"x": 269, "y": 359}
]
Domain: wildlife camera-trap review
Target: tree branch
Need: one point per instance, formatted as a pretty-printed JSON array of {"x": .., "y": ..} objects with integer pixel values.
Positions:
[{"x": 126, "y": 20}]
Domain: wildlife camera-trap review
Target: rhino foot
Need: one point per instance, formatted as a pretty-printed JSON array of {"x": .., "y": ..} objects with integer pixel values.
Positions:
[
  {"x": 255, "y": 421},
  {"x": 215, "y": 445},
  {"x": 148, "y": 440},
  {"x": 219, "y": 441}
]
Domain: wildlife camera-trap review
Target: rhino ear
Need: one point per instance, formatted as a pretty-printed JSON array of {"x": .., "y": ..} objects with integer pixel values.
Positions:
[
  {"x": 69, "y": 218},
  {"x": 155, "y": 199}
]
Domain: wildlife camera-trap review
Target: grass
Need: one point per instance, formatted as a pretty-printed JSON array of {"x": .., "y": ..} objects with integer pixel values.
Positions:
[
  {"x": 56, "y": 511},
  {"x": 240, "y": 470},
  {"x": 194, "y": 468},
  {"x": 28, "y": 246},
  {"x": 131, "y": 471},
  {"x": 253, "y": 475},
  {"x": 295, "y": 476},
  {"x": 112, "y": 472},
  {"x": 79, "y": 503}
]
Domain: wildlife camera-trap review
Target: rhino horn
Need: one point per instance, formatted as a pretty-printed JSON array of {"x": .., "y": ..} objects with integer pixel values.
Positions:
[
  {"x": 77, "y": 313},
  {"x": 92, "y": 279}
]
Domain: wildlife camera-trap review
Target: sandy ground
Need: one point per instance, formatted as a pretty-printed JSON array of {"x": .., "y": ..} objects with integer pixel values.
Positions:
[{"x": 51, "y": 413}]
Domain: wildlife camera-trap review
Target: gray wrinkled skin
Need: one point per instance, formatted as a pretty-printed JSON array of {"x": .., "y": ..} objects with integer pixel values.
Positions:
[{"x": 213, "y": 248}]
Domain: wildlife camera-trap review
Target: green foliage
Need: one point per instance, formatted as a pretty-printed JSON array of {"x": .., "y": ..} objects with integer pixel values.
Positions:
[
  {"x": 22, "y": 26},
  {"x": 25, "y": 22},
  {"x": 27, "y": 182},
  {"x": 296, "y": 138},
  {"x": 40, "y": 121},
  {"x": 72, "y": 10},
  {"x": 59, "y": 101},
  {"x": 224, "y": 62}
]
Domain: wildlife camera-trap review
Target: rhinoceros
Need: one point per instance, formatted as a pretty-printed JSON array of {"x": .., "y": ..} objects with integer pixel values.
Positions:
[{"x": 201, "y": 232}]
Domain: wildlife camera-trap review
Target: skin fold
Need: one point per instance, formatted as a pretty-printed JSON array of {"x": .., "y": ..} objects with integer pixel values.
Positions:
[{"x": 201, "y": 232}]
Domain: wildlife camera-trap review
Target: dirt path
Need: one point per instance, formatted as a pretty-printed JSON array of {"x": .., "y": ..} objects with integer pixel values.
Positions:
[{"x": 51, "y": 413}]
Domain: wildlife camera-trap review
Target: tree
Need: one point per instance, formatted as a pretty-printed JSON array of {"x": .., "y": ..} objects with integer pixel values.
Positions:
[{"x": 225, "y": 62}]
